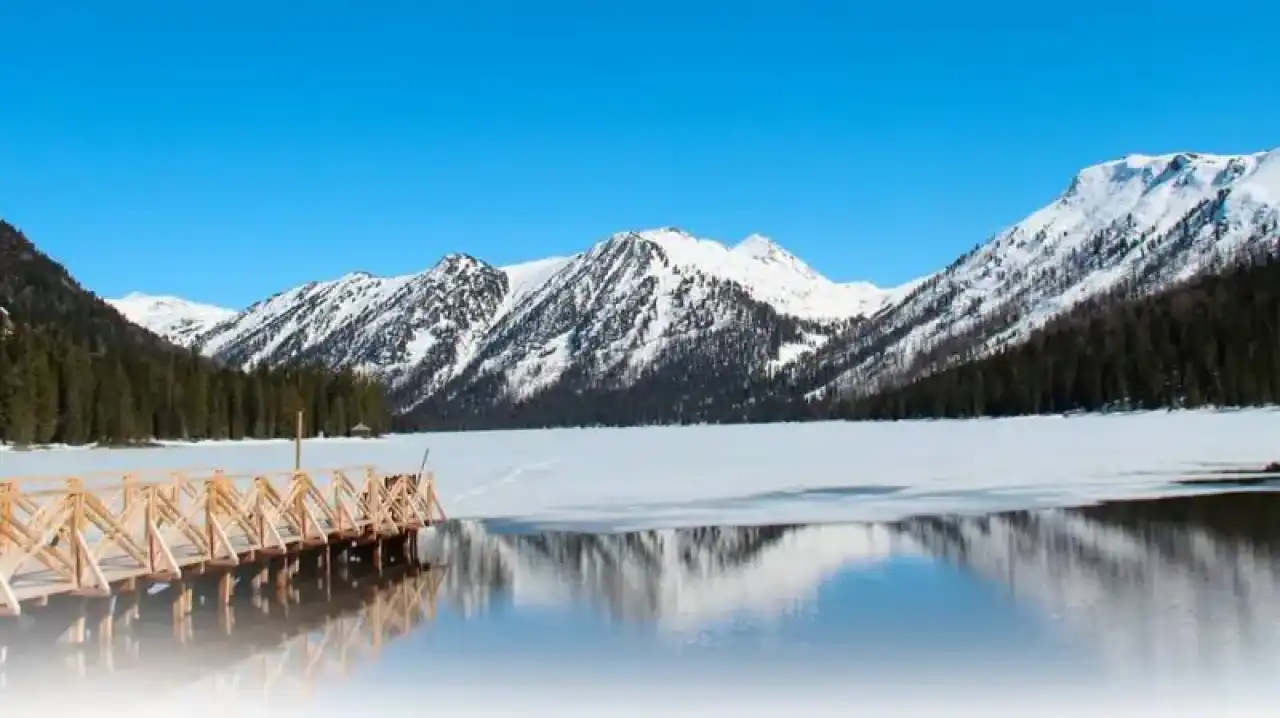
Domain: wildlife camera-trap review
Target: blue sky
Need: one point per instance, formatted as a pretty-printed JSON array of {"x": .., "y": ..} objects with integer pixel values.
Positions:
[{"x": 224, "y": 150}]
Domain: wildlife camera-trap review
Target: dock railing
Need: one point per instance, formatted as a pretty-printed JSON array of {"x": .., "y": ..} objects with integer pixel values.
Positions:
[{"x": 85, "y": 534}]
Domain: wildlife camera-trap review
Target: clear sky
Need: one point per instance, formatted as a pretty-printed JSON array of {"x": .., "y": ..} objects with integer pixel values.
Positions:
[{"x": 223, "y": 150}]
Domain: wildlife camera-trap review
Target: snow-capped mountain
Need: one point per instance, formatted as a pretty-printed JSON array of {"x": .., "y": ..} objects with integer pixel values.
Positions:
[
  {"x": 426, "y": 321},
  {"x": 1142, "y": 221},
  {"x": 640, "y": 302},
  {"x": 178, "y": 320},
  {"x": 661, "y": 308},
  {"x": 633, "y": 301}
]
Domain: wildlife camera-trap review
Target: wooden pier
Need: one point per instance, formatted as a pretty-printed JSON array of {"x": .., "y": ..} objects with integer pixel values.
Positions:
[{"x": 95, "y": 535}]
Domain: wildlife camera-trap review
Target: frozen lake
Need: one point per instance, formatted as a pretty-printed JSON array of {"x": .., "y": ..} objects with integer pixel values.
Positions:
[
  {"x": 614, "y": 479},
  {"x": 1166, "y": 607}
]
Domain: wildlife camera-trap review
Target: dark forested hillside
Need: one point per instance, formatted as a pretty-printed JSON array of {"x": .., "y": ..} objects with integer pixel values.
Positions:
[
  {"x": 74, "y": 370},
  {"x": 1214, "y": 340},
  {"x": 709, "y": 385}
]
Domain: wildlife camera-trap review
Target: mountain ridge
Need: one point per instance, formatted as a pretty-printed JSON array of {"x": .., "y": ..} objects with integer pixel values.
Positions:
[
  {"x": 665, "y": 308},
  {"x": 431, "y": 325},
  {"x": 1153, "y": 219},
  {"x": 756, "y": 246}
]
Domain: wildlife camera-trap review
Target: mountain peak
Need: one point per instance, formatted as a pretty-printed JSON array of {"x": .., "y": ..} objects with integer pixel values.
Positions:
[
  {"x": 661, "y": 236},
  {"x": 1143, "y": 172},
  {"x": 757, "y": 245},
  {"x": 173, "y": 318},
  {"x": 142, "y": 299},
  {"x": 766, "y": 251},
  {"x": 460, "y": 261}
]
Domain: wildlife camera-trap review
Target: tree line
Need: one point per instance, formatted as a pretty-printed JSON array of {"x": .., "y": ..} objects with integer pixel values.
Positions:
[
  {"x": 1212, "y": 341},
  {"x": 57, "y": 389},
  {"x": 73, "y": 370}
]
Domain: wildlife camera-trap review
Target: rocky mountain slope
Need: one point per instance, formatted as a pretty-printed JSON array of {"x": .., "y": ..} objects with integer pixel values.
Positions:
[
  {"x": 664, "y": 313},
  {"x": 1149, "y": 221},
  {"x": 631, "y": 303}
]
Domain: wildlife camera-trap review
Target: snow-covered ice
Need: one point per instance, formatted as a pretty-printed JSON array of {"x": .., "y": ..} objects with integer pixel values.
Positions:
[{"x": 606, "y": 479}]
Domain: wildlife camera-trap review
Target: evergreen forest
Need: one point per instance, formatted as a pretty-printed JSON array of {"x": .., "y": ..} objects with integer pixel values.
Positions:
[
  {"x": 1211, "y": 341},
  {"x": 73, "y": 370}
]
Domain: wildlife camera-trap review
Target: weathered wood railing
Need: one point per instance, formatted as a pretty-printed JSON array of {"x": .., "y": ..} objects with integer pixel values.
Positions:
[{"x": 84, "y": 534}]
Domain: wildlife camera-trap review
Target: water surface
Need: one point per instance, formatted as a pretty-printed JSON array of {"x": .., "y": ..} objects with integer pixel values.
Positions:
[{"x": 1144, "y": 597}]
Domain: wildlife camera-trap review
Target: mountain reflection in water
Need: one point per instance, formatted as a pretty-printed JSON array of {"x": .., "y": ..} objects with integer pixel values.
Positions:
[{"x": 1181, "y": 589}]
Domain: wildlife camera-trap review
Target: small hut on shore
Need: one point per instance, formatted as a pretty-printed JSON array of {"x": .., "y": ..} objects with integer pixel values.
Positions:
[{"x": 361, "y": 431}]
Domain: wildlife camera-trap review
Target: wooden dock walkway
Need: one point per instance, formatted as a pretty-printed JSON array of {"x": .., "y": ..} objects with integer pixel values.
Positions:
[{"x": 95, "y": 534}]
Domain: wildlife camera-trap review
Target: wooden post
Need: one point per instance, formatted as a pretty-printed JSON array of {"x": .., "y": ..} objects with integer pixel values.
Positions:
[
  {"x": 7, "y": 490},
  {"x": 78, "y": 631},
  {"x": 297, "y": 444},
  {"x": 177, "y": 604},
  {"x": 226, "y": 586},
  {"x": 153, "y": 549},
  {"x": 210, "y": 516},
  {"x": 107, "y": 636},
  {"x": 76, "y": 529},
  {"x": 226, "y": 618},
  {"x": 260, "y": 577},
  {"x": 285, "y": 572}
]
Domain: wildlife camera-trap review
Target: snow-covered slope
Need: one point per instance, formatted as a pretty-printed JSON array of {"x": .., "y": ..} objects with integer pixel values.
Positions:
[
  {"x": 642, "y": 301},
  {"x": 178, "y": 320},
  {"x": 425, "y": 325},
  {"x": 632, "y": 301},
  {"x": 1147, "y": 221}
]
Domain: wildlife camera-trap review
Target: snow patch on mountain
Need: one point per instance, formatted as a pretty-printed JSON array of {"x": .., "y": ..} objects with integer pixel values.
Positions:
[
  {"x": 178, "y": 320},
  {"x": 525, "y": 278},
  {"x": 769, "y": 273}
]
